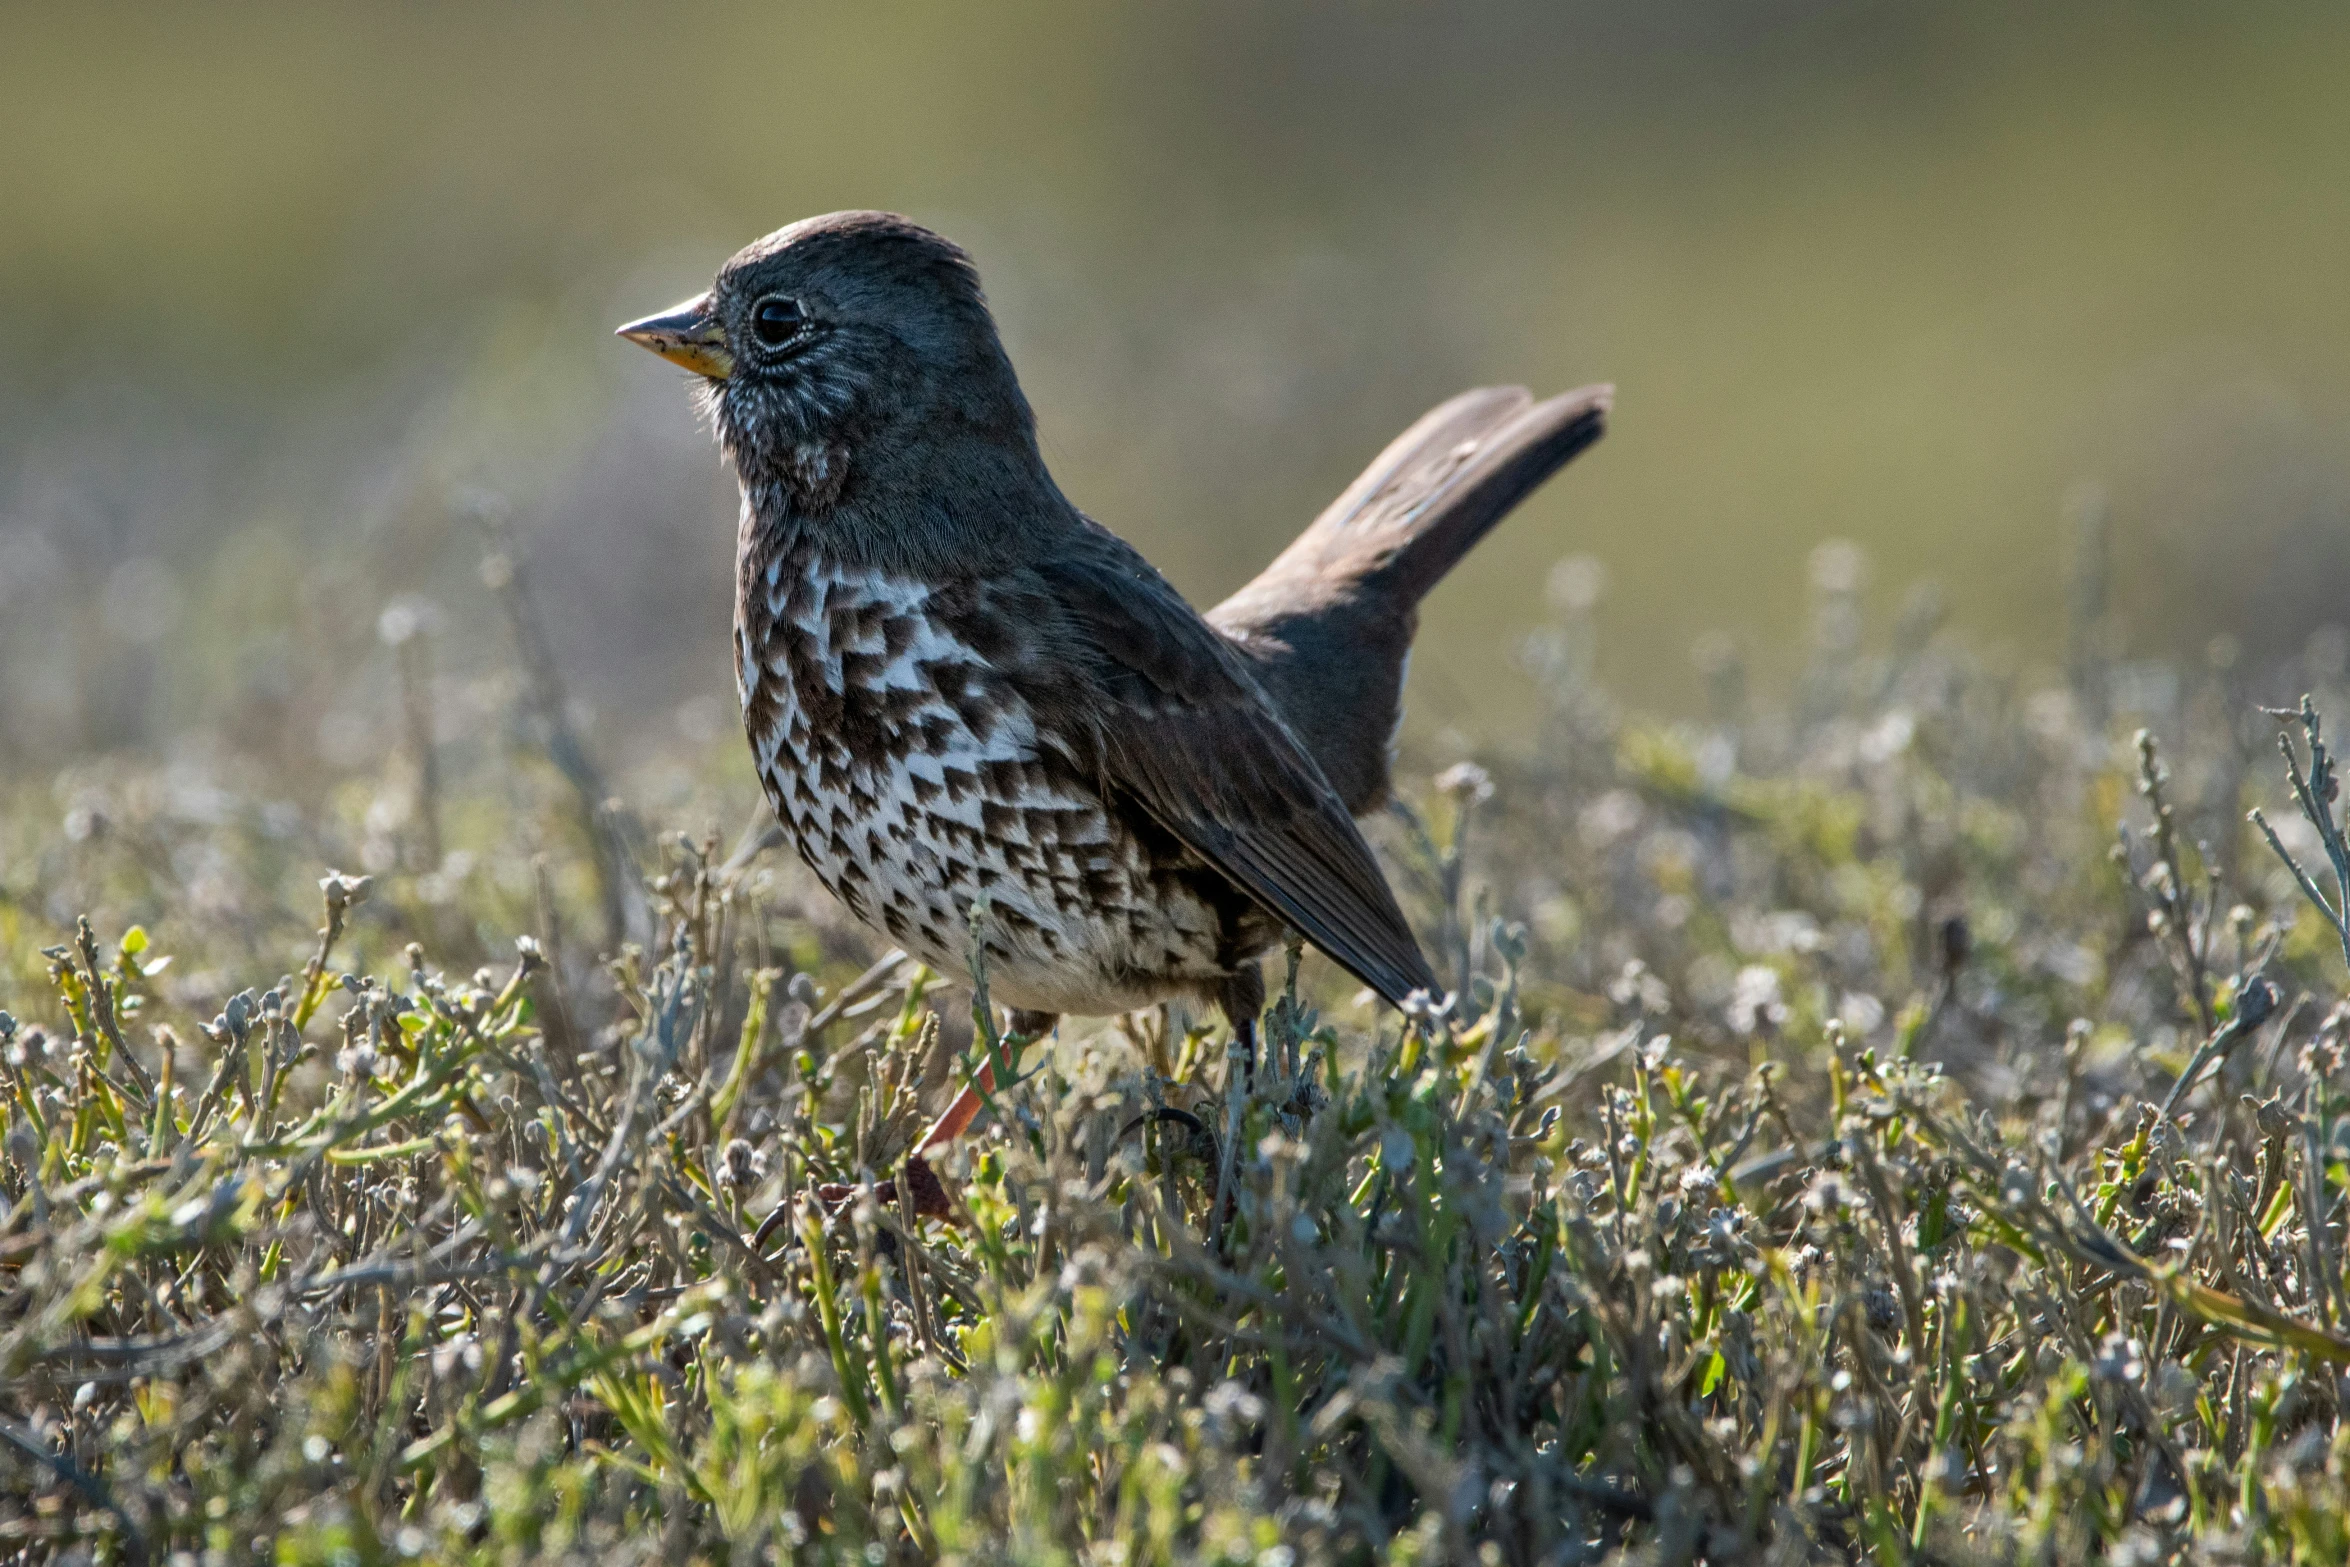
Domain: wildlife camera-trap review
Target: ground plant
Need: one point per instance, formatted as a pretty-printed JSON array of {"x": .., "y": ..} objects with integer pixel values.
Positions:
[{"x": 1906, "y": 1121}]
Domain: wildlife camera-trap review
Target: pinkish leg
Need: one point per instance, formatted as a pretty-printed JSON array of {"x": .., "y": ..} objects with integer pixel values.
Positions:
[
  {"x": 958, "y": 1116},
  {"x": 1026, "y": 1027}
]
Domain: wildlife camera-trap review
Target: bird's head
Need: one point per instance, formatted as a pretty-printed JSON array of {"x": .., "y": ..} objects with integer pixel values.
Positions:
[{"x": 849, "y": 344}]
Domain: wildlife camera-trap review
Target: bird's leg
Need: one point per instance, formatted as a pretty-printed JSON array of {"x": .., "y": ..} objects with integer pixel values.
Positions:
[
  {"x": 1025, "y": 1027},
  {"x": 1242, "y": 997}
]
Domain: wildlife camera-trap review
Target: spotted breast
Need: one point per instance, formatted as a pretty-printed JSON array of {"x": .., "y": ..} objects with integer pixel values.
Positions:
[{"x": 913, "y": 781}]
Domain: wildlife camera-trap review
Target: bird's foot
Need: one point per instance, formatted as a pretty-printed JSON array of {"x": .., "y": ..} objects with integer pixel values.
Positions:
[
  {"x": 917, "y": 1179},
  {"x": 920, "y": 1182}
]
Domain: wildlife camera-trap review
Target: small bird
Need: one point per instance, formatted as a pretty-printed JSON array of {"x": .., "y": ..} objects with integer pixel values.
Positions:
[{"x": 962, "y": 692}]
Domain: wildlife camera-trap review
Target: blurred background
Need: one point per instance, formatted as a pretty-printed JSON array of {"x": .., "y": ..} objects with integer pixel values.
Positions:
[{"x": 296, "y": 301}]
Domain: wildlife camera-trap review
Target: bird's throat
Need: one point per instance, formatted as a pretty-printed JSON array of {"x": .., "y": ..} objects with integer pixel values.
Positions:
[
  {"x": 814, "y": 472},
  {"x": 800, "y": 481}
]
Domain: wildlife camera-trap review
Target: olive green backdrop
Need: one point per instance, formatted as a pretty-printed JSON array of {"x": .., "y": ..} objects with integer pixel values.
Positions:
[{"x": 285, "y": 288}]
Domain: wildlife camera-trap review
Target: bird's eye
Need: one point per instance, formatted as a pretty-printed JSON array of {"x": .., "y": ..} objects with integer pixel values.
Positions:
[{"x": 777, "y": 321}]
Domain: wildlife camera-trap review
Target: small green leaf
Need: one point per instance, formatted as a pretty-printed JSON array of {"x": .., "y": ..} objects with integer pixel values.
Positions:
[{"x": 1934, "y": 1223}]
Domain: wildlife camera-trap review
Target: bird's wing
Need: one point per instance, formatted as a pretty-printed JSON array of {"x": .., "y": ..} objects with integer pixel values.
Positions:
[{"x": 1185, "y": 732}]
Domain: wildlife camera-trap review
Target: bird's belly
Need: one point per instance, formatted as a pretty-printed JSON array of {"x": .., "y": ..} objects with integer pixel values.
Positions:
[{"x": 917, "y": 789}]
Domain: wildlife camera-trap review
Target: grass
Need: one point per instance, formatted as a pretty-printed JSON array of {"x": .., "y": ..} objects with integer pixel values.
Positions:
[{"x": 1841, "y": 1145}]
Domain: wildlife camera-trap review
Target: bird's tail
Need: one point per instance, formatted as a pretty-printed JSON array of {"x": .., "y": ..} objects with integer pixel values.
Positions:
[
  {"x": 1327, "y": 625},
  {"x": 1437, "y": 489}
]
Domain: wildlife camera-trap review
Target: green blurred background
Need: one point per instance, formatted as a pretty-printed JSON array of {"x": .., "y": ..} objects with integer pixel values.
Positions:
[{"x": 286, "y": 290}]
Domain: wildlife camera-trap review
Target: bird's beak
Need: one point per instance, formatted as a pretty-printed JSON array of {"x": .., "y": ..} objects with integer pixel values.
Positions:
[{"x": 688, "y": 335}]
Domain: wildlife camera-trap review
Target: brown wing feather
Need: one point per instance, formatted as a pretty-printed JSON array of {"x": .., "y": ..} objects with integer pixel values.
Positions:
[{"x": 1186, "y": 733}]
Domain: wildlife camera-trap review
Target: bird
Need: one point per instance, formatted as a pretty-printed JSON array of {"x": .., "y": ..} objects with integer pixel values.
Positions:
[{"x": 988, "y": 725}]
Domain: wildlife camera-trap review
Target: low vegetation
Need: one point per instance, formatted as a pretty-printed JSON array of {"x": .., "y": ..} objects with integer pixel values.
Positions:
[{"x": 1842, "y": 1144}]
